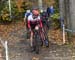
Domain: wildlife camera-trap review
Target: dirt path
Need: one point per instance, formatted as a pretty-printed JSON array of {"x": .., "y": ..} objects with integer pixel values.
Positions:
[{"x": 18, "y": 47}]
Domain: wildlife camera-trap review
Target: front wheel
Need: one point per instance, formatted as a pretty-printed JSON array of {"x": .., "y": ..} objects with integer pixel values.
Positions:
[{"x": 37, "y": 43}]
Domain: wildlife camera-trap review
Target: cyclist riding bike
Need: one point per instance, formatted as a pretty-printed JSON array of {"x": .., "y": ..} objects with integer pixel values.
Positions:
[
  {"x": 44, "y": 17},
  {"x": 28, "y": 12},
  {"x": 32, "y": 22}
]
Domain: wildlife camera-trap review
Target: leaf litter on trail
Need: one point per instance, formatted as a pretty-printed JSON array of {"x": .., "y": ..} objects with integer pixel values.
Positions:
[
  {"x": 56, "y": 36},
  {"x": 5, "y": 31}
]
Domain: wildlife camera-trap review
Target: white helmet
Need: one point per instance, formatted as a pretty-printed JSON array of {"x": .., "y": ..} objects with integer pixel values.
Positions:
[
  {"x": 28, "y": 11},
  {"x": 41, "y": 10}
]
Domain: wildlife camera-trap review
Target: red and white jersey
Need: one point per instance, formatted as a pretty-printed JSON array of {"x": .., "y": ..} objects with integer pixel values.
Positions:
[{"x": 30, "y": 18}]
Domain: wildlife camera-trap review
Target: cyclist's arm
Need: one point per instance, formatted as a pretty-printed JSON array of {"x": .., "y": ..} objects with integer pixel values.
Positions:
[
  {"x": 40, "y": 21},
  {"x": 25, "y": 17},
  {"x": 28, "y": 22},
  {"x": 29, "y": 25},
  {"x": 41, "y": 25}
]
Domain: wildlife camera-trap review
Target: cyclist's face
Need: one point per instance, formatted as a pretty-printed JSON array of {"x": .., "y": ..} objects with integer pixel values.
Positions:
[{"x": 35, "y": 16}]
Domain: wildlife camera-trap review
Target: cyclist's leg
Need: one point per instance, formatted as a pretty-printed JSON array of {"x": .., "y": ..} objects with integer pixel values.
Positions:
[
  {"x": 42, "y": 36},
  {"x": 31, "y": 35},
  {"x": 27, "y": 30},
  {"x": 46, "y": 41},
  {"x": 31, "y": 38}
]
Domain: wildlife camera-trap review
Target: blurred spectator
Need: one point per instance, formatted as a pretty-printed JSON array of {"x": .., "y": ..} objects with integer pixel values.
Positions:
[{"x": 50, "y": 10}]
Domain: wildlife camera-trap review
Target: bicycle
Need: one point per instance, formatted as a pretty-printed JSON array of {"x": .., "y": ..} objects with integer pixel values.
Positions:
[{"x": 37, "y": 39}]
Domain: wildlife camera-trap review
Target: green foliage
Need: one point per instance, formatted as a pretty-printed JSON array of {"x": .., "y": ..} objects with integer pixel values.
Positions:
[
  {"x": 4, "y": 13},
  {"x": 15, "y": 13},
  {"x": 56, "y": 6},
  {"x": 26, "y": 5},
  {"x": 55, "y": 17}
]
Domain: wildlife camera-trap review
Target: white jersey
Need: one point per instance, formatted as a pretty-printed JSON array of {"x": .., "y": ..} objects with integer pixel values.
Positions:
[{"x": 30, "y": 18}]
